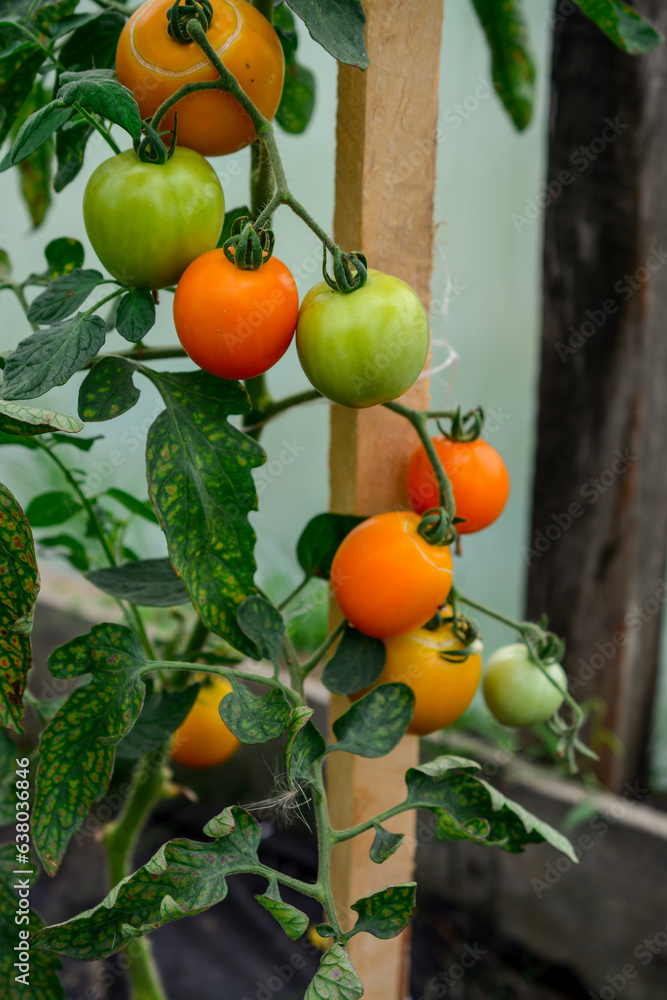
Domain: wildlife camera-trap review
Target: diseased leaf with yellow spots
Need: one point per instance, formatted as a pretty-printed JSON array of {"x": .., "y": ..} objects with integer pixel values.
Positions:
[
  {"x": 200, "y": 482},
  {"x": 19, "y": 585},
  {"x": 108, "y": 389},
  {"x": 78, "y": 746}
]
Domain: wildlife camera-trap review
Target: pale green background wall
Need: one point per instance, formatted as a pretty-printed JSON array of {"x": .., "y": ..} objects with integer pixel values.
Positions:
[{"x": 486, "y": 173}]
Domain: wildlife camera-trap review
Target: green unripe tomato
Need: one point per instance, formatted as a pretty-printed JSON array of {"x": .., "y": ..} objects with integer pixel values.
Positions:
[
  {"x": 363, "y": 347},
  {"x": 148, "y": 221},
  {"x": 515, "y": 689}
]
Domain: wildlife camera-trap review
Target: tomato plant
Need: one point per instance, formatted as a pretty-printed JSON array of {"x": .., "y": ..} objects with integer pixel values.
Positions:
[
  {"x": 364, "y": 347},
  {"x": 116, "y": 694},
  {"x": 517, "y": 691},
  {"x": 443, "y": 672},
  {"x": 478, "y": 475},
  {"x": 387, "y": 578},
  {"x": 148, "y": 221},
  {"x": 235, "y": 323},
  {"x": 153, "y": 65},
  {"x": 203, "y": 740}
]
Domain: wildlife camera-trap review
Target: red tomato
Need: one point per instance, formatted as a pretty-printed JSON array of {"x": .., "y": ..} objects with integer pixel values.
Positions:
[
  {"x": 478, "y": 476},
  {"x": 232, "y": 323}
]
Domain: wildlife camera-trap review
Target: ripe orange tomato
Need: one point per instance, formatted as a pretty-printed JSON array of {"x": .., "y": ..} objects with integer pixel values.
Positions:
[
  {"x": 154, "y": 66},
  {"x": 203, "y": 739},
  {"x": 387, "y": 579},
  {"x": 443, "y": 688},
  {"x": 478, "y": 476},
  {"x": 232, "y": 323}
]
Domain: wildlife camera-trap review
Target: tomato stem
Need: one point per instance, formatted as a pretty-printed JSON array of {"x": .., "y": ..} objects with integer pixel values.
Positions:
[
  {"x": 419, "y": 419},
  {"x": 93, "y": 121}
]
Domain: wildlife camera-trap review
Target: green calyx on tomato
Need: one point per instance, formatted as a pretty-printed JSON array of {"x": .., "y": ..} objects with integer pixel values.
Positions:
[
  {"x": 365, "y": 347},
  {"x": 147, "y": 221},
  {"x": 517, "y": 691}
]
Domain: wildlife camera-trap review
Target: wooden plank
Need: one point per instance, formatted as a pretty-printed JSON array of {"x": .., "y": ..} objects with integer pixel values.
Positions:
[
  {"x": 385, "y": 181},
  {"x": 599, "y": 528}
]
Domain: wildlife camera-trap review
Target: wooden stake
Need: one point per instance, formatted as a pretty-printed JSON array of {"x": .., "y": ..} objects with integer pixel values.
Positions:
[{"x": 385, "y": 181}]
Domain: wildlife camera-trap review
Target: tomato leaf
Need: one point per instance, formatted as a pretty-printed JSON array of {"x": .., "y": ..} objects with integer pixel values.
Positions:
[
  {"x": 320, "y": 539},
  {"x": 305, "y": 746},
  {"x": 20, "y": 59},
  {"x": 358, "y": 661},
  {"x": 63, "y": 296},
  {"x": 71, "y": 548},
  {"x": 44, "y": 983},
  {"x": 468, "y": 808},
  {"x": 200, "y": 482},
  {"x": 93, "y": 43},
  {"x": 15, "y": 418},
  {"x": 136, "y": 314},
  {"x": 338, "y": 26},
  {"x": 51, "y": 356},
  {"x": 5, "y": 264},
  {"x": 384, "y": 844},
  {"x": 152, "y": 583},
  {"x": 386, "y": 913},
  {"x": 336, "y": 978},
  {"x": 80, "y": 443},
  {"x": 48, "y": 17},
  {"x": 105, "y": 97},
  {"x": 20, "y": 586},
  {"x": 298, "y": 99},
  {"x": 264, "y": 625},
  {"x": 141, "y": 508},
  {"x": 77, "y": 747},
  {"x": 184, "y": 877},
  {"x": 161, "y": 715},
  {"x": 70, "y": 146},
  {"x": 375, "y": 724},
  {"x": 254, "y": 718},
  {"x": 293, "y": 921},
  {"x": 108, "y": 390},
  {"x": 625, "y": 27},
  {"x": 512, "y": 66},
  {"x": 62, "y": 256},
  {"x": 54, "y": 507},
  {"x": 39, "y": 127}
]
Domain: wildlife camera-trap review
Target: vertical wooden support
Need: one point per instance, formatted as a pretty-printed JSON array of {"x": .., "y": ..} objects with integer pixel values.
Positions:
[
  {"x": 385, "y": 180},
  {"x": 597, "y": 547}
]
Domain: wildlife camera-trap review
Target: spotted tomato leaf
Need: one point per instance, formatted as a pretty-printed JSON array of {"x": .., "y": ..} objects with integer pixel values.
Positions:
[
  {"x": 108, "y": 390},
  {"x": 15, "y": 418},
  {"x": 336, "y": 978},
  {"x": 293, "y": 921},
  {"x": 386, "y": 913},
  {"x": 512, "y": 66},
  {"x": 8, "y": 751},
  {"x": 375, "y": 724},
  {"x": 625, "y": 27},
  {"x": 338, "y": 26},
  {"x": 467, "y": 808},
  {"x": 71, "y": 142},
  {"x": 77, "y": 748},
  {"x": 384, "y": 844},
  {"x": 184, "y": 877},
  {"x": 42, "y": 982},
  {"x": 20, "y": 586},
  {"x": 51, "y": 356},
  {"x": 20, "y": 59},
  {"x": 254, "y": 718},
  {"x": 62, "y": 256},
  {"x": 200, "y": 482}
]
